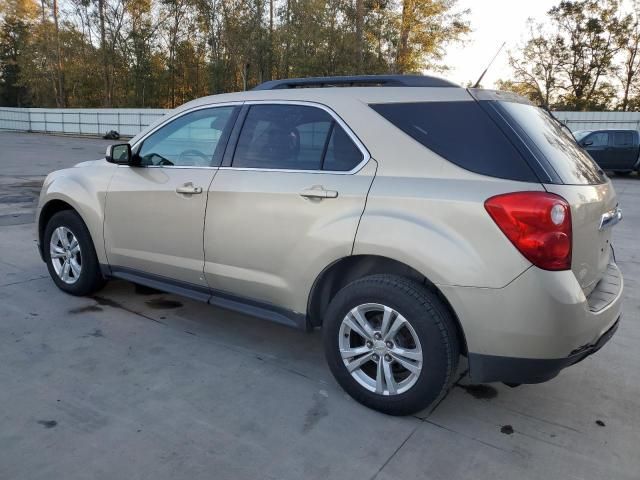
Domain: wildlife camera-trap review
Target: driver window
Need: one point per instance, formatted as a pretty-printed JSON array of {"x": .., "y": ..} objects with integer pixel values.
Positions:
[
  {"x": 192, "y": 140},
  {"x": 598, "y": 139}
]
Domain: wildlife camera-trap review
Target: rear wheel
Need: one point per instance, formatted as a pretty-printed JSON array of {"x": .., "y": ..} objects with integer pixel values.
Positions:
[
  {"x": 623, "y": 173},
  {"x": 391, "y": 344},
  {"x": 70, "y": 255}
]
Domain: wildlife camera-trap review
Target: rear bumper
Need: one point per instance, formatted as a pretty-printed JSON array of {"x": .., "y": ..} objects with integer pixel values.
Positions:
[
  {"x": 490, "y": 368},
  {"x": 540, "y": 323}
]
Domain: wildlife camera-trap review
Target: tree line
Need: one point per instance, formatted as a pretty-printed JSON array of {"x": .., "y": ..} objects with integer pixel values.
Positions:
[
  {"x": 162, "y": 53},
  {"x": 584, "y": 56}
]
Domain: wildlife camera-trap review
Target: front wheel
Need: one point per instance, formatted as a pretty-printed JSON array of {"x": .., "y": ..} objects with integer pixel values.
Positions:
[
  {"x": 391, "y": 344},
  {"x": 70, "y": 255}
]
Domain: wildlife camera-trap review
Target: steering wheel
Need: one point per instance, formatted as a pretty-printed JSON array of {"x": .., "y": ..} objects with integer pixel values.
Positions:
[
  {"x": 153, "y": 159},
  {"x": 193, "y": 152}
]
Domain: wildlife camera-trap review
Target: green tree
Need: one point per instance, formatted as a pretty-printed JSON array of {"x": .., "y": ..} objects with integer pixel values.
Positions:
[
  {"x": 628, "y": 41},
  {"x": 425, "y": 28},
  {"x": 571, "y": 62},
  {"x": 17, "y": 18},
  {"x": 536, "y": 66}
]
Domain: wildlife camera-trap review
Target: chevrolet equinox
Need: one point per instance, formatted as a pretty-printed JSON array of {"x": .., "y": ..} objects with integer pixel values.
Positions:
[{"x": 413, "y": 220}]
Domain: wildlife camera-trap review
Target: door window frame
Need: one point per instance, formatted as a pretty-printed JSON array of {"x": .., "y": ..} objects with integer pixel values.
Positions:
[
  {"x": 621, "y": 132},
  {"x": 171, "y": 118},
  {"x": 599, "y": 132},
  {"x": 227, "y": 163}
]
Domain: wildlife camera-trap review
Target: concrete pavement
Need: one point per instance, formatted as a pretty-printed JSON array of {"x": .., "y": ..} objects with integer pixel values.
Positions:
[{"x": 134, "y": 385}]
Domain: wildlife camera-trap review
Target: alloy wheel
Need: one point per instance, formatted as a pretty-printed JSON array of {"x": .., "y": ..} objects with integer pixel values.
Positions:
[
  {"x": 66, "y": 256},
  {"x": 380, "y": 349}
]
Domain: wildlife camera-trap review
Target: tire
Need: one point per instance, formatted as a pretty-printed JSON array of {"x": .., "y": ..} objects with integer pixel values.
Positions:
[
  {"x": 623, "y": 173},
  {"x": 431, "y": 322},
  {"x": 89, "y": 278}
]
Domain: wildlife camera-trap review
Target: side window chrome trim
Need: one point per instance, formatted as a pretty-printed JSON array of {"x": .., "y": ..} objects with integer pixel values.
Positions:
[
  {"x": 170, "y": 119},
  {"x": 366, "y": 156}
]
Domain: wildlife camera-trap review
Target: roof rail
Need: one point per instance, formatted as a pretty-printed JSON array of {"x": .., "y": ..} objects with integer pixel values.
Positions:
[{"x": 357, "y": 81}]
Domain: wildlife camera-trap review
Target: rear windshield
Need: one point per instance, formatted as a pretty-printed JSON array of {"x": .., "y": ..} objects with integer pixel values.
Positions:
[
  {"x": 462, "y": 133},
  {"x": 547, "y": 138}
]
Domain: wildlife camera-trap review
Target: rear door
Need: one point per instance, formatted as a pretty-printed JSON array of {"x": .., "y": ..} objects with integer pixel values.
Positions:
[
  {"x": 287, "y": 206},
  {"x": 624, "y": 152}
]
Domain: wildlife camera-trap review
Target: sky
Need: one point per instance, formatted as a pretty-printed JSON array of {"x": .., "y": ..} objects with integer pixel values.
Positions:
[{"x": 492, "y": 22}]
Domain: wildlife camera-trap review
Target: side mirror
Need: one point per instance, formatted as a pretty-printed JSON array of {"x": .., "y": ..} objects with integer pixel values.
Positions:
[
  {"x": 119, "y": 153},
  {"x": 588, "y": 143}
]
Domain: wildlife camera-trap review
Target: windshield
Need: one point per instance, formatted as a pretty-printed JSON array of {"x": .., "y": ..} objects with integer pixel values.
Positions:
[{"x": 573, "y": 165}]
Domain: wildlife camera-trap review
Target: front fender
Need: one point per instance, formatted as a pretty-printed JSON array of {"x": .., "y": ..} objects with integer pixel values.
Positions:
[{"x": 85, "y": 190}]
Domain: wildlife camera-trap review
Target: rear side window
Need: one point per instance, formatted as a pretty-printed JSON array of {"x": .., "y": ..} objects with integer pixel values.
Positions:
[
  {"x": 462, "y": 133},
  {"x": 342, "y": 154},
  {"x": 546, "y": 136},
  {"x": 622, "y": 139},
  {"x": 294, "y": 137}
]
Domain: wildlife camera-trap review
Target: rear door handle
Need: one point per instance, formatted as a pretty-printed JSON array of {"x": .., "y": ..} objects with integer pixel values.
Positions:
[
  {"x": 317, "y": 191},
  {"x": 189, "y": 189}
]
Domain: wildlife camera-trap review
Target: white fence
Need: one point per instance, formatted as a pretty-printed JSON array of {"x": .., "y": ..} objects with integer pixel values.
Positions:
[
  {"x": 600, "y": 120},
  {"x": 129, "y": 121},
  {"x": 79, "y": 121}
]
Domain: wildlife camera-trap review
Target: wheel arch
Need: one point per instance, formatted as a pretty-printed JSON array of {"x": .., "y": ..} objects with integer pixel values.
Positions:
[
  {"x": 348, "y": 269},
  {"x": 48, "y": 210}
]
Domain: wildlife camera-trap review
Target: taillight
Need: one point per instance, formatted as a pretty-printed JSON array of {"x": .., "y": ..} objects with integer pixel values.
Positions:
[{"x": 538, "y": 224}]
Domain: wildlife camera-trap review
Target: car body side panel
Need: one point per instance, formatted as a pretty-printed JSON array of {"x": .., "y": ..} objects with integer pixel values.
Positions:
[
  {"x": 152, "y": 228},
  {"x": 264, "y": 241},
  {"x": 85, "y": 189},
  {"x": 441, "y": 228}
]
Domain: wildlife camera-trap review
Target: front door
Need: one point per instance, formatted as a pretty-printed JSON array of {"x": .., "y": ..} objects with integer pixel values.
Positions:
[
  {"x": 597, "y": 144},
  {"x": 287, "y": 207},
  {"x": 154, "y": 216}
]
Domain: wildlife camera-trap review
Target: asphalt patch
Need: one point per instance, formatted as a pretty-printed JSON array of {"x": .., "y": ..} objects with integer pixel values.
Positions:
[
  {"x": 506, "y": 429},
  {"x": 16, "y": 199},
  {"x": 48, "y": 423},
  {"x": 144, "y": 290},
  {"x": 97, "y": 333},
  {"x": 163, "y": 304},
  {"x": 481, "y": 392},
  {"x": 16, "y": 219},
  {"x": 86, "y": 309}
]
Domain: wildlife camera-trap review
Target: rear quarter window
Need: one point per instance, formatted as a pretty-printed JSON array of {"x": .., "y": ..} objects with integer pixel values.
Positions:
[
  {"x": 549, "y": 141},
  {"x": 462, "y": 133}
]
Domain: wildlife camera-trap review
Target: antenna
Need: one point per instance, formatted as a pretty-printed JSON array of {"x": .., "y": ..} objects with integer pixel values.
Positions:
[{"x": 477, "y": 84}]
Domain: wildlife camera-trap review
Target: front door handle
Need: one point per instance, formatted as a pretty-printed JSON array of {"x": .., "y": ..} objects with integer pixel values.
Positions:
[
  {"x": 189, "y": 189},
  {"x": 318, "y": 191}
]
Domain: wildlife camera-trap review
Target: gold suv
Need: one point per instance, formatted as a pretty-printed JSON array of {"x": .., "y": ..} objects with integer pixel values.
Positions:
[{"x": 413, "y": 220}]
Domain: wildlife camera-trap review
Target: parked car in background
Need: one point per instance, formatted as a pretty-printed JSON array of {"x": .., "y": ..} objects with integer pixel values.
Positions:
[
  {"x": 362, "y": 211},
  {"x": 617, "y": 150}
]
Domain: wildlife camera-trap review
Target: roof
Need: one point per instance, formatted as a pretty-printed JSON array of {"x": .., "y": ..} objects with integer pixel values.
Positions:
[{"x": 358, "y": 80}]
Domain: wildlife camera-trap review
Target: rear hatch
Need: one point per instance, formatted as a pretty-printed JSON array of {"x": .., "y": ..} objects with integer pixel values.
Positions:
[{"x": 567, "y": 170}]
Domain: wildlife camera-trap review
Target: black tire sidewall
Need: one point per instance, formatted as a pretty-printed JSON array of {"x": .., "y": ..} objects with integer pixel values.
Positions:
[
  {"x": 90, "y": 276},
  {"x": 429, "y": 318}
]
